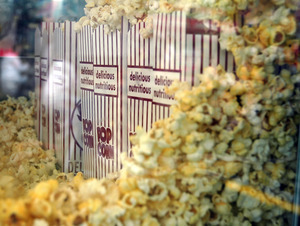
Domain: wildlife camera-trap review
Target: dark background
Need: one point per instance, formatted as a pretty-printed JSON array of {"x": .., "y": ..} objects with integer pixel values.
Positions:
[{"x": 18, "y": 22}]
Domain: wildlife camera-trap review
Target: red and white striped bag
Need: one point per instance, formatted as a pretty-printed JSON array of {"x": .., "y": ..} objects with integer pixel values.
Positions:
[
  {"x": 37, "y": 80},
  {"x": 130, "y": 75},
  {"x": 72, "y": 101},
  {"x": 109, "y": 98},
  {"x": 183, "y": 47},
  {"x": 44, "y": 89},
  {"x": 46, "y": 98},
  {"x": 60, "y": 98},
  {"x": 139, "y": 81},
  {"x": 87, "y": 97},
  {"x": 58, "y": 81}
]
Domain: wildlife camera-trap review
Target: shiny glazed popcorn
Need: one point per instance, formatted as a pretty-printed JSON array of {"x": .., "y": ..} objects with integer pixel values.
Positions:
[{"x": 225, "y": 156}]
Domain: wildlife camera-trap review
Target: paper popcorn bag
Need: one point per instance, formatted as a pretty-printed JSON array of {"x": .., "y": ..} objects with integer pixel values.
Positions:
[
  {"x": 87, "y": 96},
  {"x": 203, "y": 49},
  {"x": 46, "y": 112},
  {"x": 139, "y": 80},
  {"x": 110, "y": 99},
  {"x": 37, "y": 80},
  {"x": 169, "y": 59},
  {"x": 129, "y": 90},
  {"x": 72, "y": 101},
  {"x": 183, "y": 47},
  {"x": 60, "y": 94},
  {"x": 44, "y": 90},
  {"x": 58, "y": 83},
  {"x": 51, "y": 26}
]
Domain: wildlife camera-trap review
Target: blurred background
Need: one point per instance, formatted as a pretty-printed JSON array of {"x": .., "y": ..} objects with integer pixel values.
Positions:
[{"x": 18, "y": 22}]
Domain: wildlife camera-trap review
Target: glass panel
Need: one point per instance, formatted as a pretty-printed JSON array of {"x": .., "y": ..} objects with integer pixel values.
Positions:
[{"x": 18, "y": 21}]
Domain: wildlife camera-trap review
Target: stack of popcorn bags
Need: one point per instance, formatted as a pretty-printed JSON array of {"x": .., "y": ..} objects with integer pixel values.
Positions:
[
  {"x": 189, "y": 116},
  {"x": 130, "y": 75},
  {"x": 58, "y": 95}
]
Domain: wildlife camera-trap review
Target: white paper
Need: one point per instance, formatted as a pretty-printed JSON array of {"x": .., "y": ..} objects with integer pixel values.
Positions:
[
  {"x": 109, "y": 84},
  {"x": 44, "y": 92},
  {"x": 58, "y": 84},
  {"x": 37, "y": 80},
  {"x": 87, "y": 96},
  {"x": 73, "y": 137}
]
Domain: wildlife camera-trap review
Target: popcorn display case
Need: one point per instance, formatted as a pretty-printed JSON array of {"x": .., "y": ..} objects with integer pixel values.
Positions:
[{"x": 158, "y": 113}]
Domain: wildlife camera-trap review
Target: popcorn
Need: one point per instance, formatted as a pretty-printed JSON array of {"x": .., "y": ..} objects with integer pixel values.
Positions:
[
  {"x": 221, "y": 206},
  {"x": 156, "y": 190},
  {"x": 250, "y": 35},
  {"x": 147, "y": 31},
  {"x": 258, "y": 73},
  {"x": 289, "y": 25},
  {"x": 202, "y": 114},
  {"x": 278, "y": 2},
  {"x": 231, "y": 168},
  {"x": 133, "y": 198},
  {"x": 229, "y": 195},
  {"x": 228, "y": 144},
  {"x": 254, "y": 215},
  {"x": 63, "y": 199},
  {"x": 230, "y": 41},
  {"x": 40, "y": 208},
  {"x": 247, "y": 202},
  {"x": 196, "y": 155},
  {"x": 277, "y": 170},
  {"x": 90, "y": 3},
  {"x": 44, "y": 189},
  {"x": 159, "y": 208},
  {"x": 40, "y": 222},
  {"x": 133, "y": 167},
  {"x": 150, "y": 221}
]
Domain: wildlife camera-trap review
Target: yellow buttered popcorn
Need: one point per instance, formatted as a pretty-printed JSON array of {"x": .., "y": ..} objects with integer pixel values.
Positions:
[
  {"x": 44, "y": 189},
  {"x": 155, "y": 189},
  {"x": 221, "y": 158},
  {"x": 41, "y": 208}
]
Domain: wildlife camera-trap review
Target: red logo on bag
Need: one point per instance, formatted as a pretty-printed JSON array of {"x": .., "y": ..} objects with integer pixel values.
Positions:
[
  {"x": 88, "y": 138},
  {"x": 105, "y": 149},
  {"x": 194, "y": 26},
  {"x": 57, "y": 121},
  {"x": 76, "y": 125},
  {"x": 44, "y": 122}
]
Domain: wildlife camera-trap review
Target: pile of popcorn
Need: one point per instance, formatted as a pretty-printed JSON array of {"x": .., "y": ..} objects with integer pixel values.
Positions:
[
  {"x": 23, "y": 162},
  {"x": 110, "y": 12},
  {"x": 225, "y": 156}
]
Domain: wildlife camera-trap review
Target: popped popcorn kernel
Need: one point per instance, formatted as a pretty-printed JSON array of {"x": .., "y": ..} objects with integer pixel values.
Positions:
[{"x": 222, "y": 156}]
